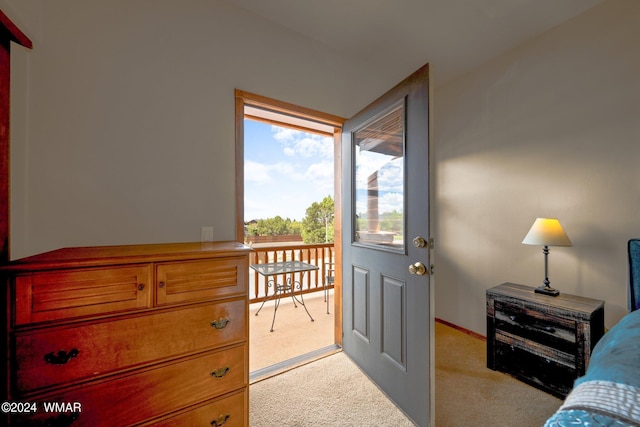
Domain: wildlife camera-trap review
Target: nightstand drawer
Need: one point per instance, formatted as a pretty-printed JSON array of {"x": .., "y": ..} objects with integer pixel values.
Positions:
[
  {"x": 549, "y": 354},
  {"x": 537, "y": 326},
  {"x": 535, "y": 369}
]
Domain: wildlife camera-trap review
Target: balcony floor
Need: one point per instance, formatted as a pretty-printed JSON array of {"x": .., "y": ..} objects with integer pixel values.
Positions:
[{"x": 294, "y": 334}]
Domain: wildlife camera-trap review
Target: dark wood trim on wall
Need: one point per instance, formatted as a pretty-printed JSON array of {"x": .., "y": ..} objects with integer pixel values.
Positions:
[
  {"x": 5, "y": 66},
  {"x": 9, "y": 32},
  {"x": 461, "y": 329},
  {"x": 239, "y": 105}
]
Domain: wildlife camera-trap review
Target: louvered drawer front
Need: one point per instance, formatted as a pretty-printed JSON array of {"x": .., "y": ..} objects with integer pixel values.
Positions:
[
  {"x": 537, "y": 326},
  {"x": 549, "y": 354},
  {"x": 535, "y": 367},
  {"x": 152, "y": 393},
  {"x": 61, "y": 355},
  {"x": 201, "y": 280},
  {"x": 59, "y": 295},
  {"x": 228, "y": 411}
]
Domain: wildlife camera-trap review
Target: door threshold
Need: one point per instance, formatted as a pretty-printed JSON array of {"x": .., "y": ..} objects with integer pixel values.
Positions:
[{"x": 295, "y": 362}]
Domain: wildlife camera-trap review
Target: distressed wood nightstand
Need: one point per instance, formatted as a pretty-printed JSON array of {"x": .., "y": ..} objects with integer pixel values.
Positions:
[{"x": 542, "y": 340}]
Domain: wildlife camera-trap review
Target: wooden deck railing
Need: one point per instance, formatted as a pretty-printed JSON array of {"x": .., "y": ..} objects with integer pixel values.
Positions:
[{"x": 317, "y": 254}]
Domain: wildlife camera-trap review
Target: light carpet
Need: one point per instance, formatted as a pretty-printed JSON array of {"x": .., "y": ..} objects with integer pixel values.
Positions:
[
  {"x": 331, "y": 391},
  {"x": 470, "y": 394}
]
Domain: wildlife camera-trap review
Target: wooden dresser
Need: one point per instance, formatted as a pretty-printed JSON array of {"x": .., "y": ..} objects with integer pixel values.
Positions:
[
  {"x": 542, "y": 340},
  {"x": 128, "y": 335}
]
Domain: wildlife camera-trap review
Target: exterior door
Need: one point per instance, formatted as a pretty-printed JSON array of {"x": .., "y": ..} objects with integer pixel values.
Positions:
[{"x": 387, "y": 318}]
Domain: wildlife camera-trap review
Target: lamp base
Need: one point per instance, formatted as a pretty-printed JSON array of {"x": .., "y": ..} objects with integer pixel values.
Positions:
[{"x": 546, "y": 290}]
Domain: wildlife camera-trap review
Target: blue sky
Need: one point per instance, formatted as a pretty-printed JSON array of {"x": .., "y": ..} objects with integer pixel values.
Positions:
[{"x": 285, "y": 171}]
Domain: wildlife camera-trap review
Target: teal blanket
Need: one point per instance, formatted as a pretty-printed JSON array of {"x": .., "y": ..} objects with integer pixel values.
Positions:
[
  {"x": 609, "y": 393},
  {"x": 616, "y": 357}
]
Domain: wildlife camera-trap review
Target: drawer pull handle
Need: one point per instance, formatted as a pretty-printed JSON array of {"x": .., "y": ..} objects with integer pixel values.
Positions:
[
  {"x": 550, "y": 329},
  {"x": 513, "y": 318},
  {"x": 220, "y": 372},
  {"x": 63, "y": 419},
  {"x": 222, "y": 420},
  {"x": 141, "y": 286},
  {"x": 60, "y": 358},
  {"x": 220, "y": 323},
  {"x": 161, "y": 285}
]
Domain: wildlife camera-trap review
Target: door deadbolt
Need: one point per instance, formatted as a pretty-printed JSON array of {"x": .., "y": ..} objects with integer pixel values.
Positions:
[
  {"x": 417, "y": 268},
  {"x": 419, "y": 242}
]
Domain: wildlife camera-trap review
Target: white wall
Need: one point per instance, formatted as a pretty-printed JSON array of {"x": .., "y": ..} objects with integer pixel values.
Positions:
[
  {"x": 551, "y": 128},
  {"x": 123, "y": 114},
  {"x": 123, "y": 132}
]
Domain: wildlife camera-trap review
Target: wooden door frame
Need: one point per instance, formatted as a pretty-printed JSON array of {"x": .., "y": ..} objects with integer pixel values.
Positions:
[
  {"x": 9, "y": 32},
  {"x": 243, "y": 99}
]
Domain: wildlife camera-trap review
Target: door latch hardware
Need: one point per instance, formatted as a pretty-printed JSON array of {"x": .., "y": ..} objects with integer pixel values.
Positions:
[
  {"x": 417, "y": 268},
  {"x": 419, "y": 242}
]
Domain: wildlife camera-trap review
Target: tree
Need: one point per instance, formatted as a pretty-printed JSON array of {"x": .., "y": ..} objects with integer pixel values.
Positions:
[
  {"x": 317, "y": 226},
  {"x": 392, "y": 221},
  {"x": 274, "y": 227}
]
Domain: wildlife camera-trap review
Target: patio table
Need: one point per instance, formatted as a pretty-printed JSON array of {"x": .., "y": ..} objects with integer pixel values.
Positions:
[{"x": 289, "y": 285}]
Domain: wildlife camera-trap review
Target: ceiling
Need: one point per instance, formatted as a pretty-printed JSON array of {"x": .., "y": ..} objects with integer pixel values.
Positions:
[{"x": 454, "y": 36}]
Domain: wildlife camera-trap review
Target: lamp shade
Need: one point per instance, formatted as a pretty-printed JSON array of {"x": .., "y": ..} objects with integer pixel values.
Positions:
[{"x": 546, "y": 232}]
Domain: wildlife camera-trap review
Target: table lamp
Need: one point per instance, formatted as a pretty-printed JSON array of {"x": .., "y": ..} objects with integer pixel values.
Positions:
[{"x": 546, "y": 232}]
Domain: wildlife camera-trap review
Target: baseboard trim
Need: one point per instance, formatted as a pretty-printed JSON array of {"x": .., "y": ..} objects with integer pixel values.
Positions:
[{"x": 461, "y": 329}]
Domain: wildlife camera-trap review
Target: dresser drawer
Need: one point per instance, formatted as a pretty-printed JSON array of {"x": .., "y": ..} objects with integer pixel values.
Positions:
[
  {"x": 201, "y": 280},
  {"x": 65, "y": 294},
  {"x": 228, "y": 411},
  {"x": 151, "y": 393},
  {"x": 535, "y": 325},
  {"x": 103, "y": 347}
]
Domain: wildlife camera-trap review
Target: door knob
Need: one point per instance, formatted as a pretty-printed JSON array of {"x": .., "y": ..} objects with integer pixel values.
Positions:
[
  {"x": 417, "y": 268},
  {"x": 419, "y": 242}
]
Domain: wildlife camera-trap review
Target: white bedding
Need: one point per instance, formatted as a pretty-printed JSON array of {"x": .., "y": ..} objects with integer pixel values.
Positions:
[{"x": 620, "y": 401}]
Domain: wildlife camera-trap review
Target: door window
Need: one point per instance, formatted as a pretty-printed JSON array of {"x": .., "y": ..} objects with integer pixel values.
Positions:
[{"x": 378, "y": 215}]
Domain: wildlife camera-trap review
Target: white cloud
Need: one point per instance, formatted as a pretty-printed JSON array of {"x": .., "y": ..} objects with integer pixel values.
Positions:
[
  {"x": 263, "y": 173},
  {"x": 391, "y": 177},
  {"x": 256, "y": 172},
  {"x": 390, "y": 171},
  {"x": 284, "y": 134},
  {"x": 322, "y": 170},
  {"x": 306, "y": 145},
  {"x": 387, "y": 202},
  {"x": 390, "y": 202},
  {"x": 320, "y": 175}
]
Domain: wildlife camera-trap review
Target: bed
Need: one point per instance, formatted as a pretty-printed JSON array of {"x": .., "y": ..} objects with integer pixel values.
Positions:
[{"x": 609, "y": 392}]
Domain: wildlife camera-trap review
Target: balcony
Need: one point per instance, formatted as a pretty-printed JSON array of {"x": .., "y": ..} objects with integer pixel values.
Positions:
[
  {"x": 321, "y": 255},
  {"x": 294, "y": 337}
]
